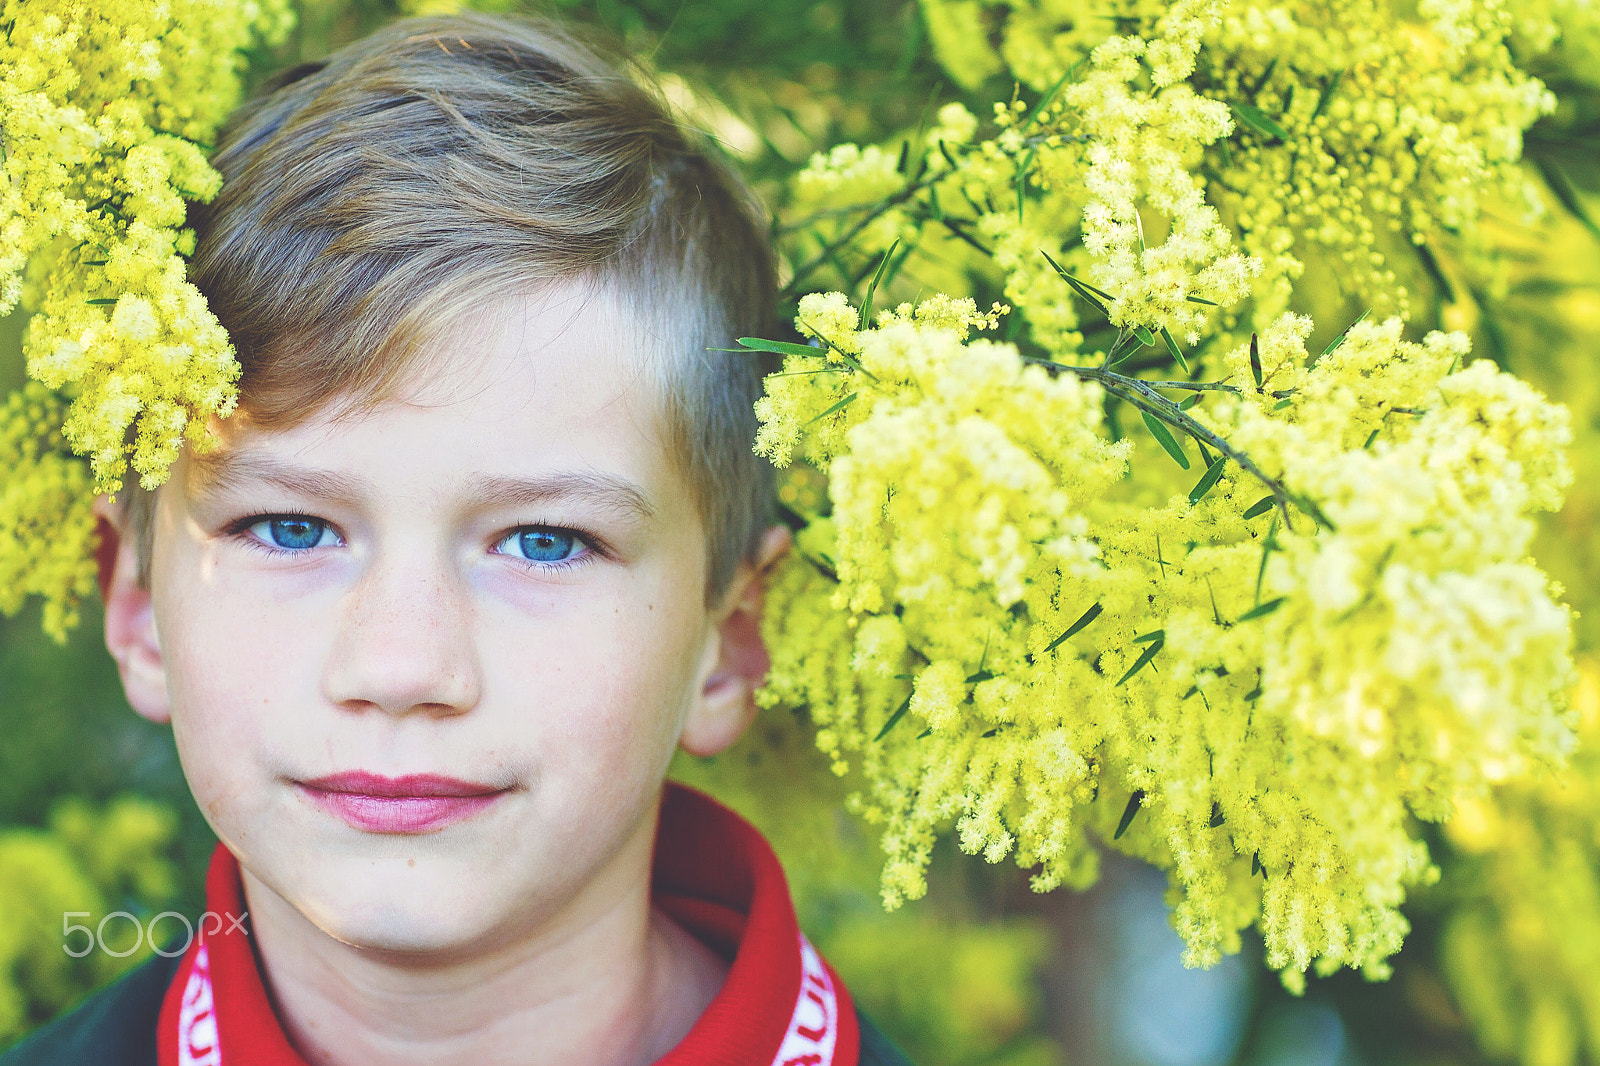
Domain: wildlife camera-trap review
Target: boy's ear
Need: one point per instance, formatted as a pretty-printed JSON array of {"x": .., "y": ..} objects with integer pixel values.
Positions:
[
  {"x": 725, "y": 705},
  {"x": 130, "y": 619}
]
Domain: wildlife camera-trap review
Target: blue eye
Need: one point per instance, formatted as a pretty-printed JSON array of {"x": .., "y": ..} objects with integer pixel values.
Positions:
[
  {"x": 291, "y": 532},
  {"x": 545, "y": 545}
]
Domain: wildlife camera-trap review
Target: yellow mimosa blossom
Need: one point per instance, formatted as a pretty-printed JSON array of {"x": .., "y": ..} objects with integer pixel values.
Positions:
[
  {"x": 1004, "y": 647},
  {"x": 1354, "y": 131},
  {"x": 105, "y": 110}
]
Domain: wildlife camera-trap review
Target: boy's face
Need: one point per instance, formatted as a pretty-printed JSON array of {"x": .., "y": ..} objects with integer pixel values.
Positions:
[{"x": 498, "y": 579}]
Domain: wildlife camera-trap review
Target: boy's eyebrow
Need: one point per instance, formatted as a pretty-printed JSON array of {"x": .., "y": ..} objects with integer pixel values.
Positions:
[
  {"x": 219, "y": 474},
  {"x": 590, "y": 487}
]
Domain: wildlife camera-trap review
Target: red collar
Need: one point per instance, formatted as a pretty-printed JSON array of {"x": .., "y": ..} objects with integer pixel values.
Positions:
[{"x": 781, "y": 1005}]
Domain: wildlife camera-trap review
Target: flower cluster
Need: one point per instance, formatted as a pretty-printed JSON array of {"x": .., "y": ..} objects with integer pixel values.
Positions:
[
  {"x": 1098, "y": 175},
  {"x": 1353, "y": 131},
  {"x": 104, "y": 114},
  {"x": 1257, "y": 696},
  {"x": 1331, "y": 629},
  {"x": 45, "y": 520}
]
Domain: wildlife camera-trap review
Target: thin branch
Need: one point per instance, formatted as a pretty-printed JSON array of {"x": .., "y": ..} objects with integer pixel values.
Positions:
[
  {"x": 879, "y": 209},
  {"x": 954, "y": 226},
  {"x": 882, "y": 207},
  {"x": 1214, "y": 386},
  {"x": 817, "y": 216},
  {"x": 1143, "y": 395},
  {"x": 1198, "y": 386}
]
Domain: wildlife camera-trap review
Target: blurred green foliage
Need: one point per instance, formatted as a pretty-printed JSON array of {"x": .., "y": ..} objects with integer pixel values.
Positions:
[{"x": 88, "y": 864}]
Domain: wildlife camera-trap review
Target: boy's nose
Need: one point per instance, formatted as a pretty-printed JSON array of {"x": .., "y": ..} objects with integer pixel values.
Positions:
[{"x": 404, "y": 643}]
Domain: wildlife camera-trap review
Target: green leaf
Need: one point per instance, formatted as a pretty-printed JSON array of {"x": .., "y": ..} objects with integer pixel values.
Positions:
[
  {"x": 1142, "y": 661},
  {"x": 1333, "y": 345},
  {"x": 1098, "y": 292},
  {"x": 1146, "y": 338},
  {"x": 757, "y": 344},
  {"x": 1135, "y": 801},
  {"x": 1165, "y": 438},
  {"x": 1327, "y": 94},
  {"x": 905, "y": 154},
  {"x": 1430, "y": 266},
  {"x": 1193, "y": 399},
  {"x": 1256, "y": 867},
  {"x": 1281, "y": 404},
  {"x": 1257, "y": 119},
  {"x": 894, "y": 719},
  {"x": 1208, "y": 480},
  {"x": 1263, "y": 609},
  {"x": 1075, "y": 628},
  {"x": 836, "y": 407},
  {"x": 1070, "y": 74},
  {"x": 1255, "y": 361},
  {"x": 1087, "y": 293},
  {"x": 1216, "y": 816},
  {"x": 102, "y": 303},
  {"x": 872, "y": 286},
  {"x": 846, "y": 358},
  {"x": 1022, "y": 179},
  {"x": 1177, "y": 352},
  {"x": 1263, "y": 78},
  {"x": 1266, "y": 552},
  {"x": 1123, "y": 350},
  {"x": 1198, "y": 300},
  {"x": 1099, "y": 299},
  {"x": 1260, "y": 507},
  {"x": 1159, "y": 634},
  {"x": 1563, "y": 191},
  {"x": 1370, "y": 438},
  {"x": 796, "y": 373}
]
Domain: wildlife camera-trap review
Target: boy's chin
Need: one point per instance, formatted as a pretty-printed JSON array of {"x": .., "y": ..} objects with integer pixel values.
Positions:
[
  {"x": 396, "y": 922},
  {"x": 420, "y": 937},
  {"x": 425, "y": 910}
]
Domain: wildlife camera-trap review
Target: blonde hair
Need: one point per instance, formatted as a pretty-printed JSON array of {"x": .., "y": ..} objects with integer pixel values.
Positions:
[{"x": 374, "y": 199}]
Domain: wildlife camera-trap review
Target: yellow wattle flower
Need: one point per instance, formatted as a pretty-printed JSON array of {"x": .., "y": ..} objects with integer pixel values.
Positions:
[
  {"x": 999, "y": 642},
  {"x": 105, "y": 110}
]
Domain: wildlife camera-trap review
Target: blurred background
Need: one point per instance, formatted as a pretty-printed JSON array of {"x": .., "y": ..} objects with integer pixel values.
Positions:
[{"x": 94, "y": 810}]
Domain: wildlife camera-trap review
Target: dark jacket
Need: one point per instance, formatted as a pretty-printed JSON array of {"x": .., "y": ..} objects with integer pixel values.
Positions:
[{"x": 117, "y": 1027}]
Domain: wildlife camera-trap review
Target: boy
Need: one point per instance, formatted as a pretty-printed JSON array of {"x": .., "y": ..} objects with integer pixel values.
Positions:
[{"x": 482, "y": 545}]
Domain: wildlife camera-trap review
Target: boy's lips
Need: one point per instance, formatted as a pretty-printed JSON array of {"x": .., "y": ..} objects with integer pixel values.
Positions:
[{"x": 414, "y": 803}]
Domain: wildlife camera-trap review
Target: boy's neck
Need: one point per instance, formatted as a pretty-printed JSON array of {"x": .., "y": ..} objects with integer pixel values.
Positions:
[{"x": 609, "y": 980}]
